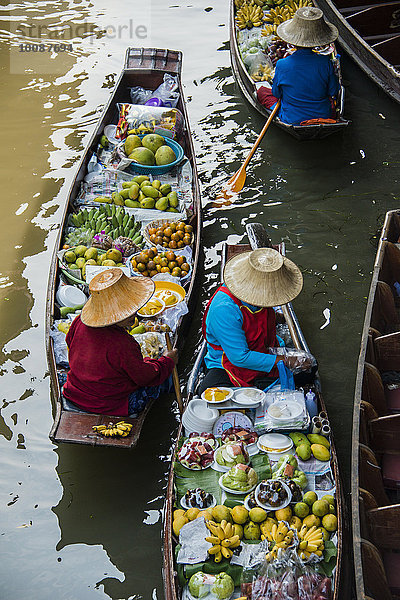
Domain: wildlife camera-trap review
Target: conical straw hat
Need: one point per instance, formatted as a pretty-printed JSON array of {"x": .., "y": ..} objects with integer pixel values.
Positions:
[
  {"x": 115, "y": 297},
  {"x": 307, "y": 29},
  {"x": 263, "y": 277}
]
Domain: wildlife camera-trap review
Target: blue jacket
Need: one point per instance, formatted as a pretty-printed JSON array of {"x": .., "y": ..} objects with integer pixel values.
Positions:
[
  {"x": 224, "y": 323},
  {"x": 304, "y": 81}
]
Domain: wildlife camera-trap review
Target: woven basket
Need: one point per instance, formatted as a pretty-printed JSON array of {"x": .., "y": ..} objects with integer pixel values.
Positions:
[
  {"x": 158, "y": 223},
  {"x": 182, "y": 280}
]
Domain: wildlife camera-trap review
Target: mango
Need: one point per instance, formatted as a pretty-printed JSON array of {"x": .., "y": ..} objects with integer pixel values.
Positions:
[
  {"x": 173, "y": 199},
  {"x": 80, "y": 262},
  {"x": 178, "y": 523},
  {"x": 132, "y": 142},
  {"x": 258, "y": 515},
  {"x": 164, "y": 156},
  {"x": 117, "y": 199},
  {"x": 295, "y": 522},
  {"x": 221, "y": 512},
  {"x": 143, "y": 156},
  {"x": 141, "y": 178},
  {"x": 283, "y": 514},
  {"x": 127, "y": 184},
  {"x": 320, "y": 452},
  {"x": 329, "y": 498},
  {"x": 315, "y": 438},
  {"x": 102, "y": 199},
  {"x": 124, "y": 193},
  {"x": 142, "y": 329},
  {"x": 303, "y": 451},
  {"x": 170, "y": 209},
  {"x": 80, "y": 250},
  {"x": 312, "y": 520},
  {"x": 238, "y": 530},
  {"x": 109, "y": 263},
  {"x": 153, "y": 141},
  {"x": 147, "y": 203},
  {"x": 134, "y": 191},
  {"x": 251, "y": 531},
  {"x": 73, "y": 267},
  {"x": 70, "y": 256},
  {"x": 179, "y": 512},
  {"x": 298, "y": 438},
  {"x": 132, "y": 203},
  {"x": 192, "y": 513},
  {"x": 161, "y": 204},
  {"x": 156, "y": 184},
  {"x": 165, "y": 189},
  {"x": 240, "y": 514},
  {"x": 91, "y": 253},
  {"x": 150, "y": 192}
]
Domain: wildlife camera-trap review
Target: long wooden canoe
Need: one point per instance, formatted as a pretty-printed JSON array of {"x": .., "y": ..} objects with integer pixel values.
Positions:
[
  {"x": 375, "y": 478},
  {"x": 341, "y": 582},
  {"x": 249, "y": 90},
  {"x": 369, "y": 31},
  {"x": 143, "y": 67}
]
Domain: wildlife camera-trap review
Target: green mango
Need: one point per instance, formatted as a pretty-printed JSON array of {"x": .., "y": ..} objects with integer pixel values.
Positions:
[
  {"x": 298, "y": 438},
  {"x": 170, "y": 209},
  {"x": 134, "y": 191},
  {"x": 138, "y": 329},
  {"x": 148, "y": 203},
  {"x": 165, "y": 189},
  {"x": 173, "y": 199},
  {"x": 117, "y": 199},
  {"x": 141, "y": 178},
  {"x": 151, "y": 192},
  {"x": 315, "y": 438},
  {"x": 102, "y": 199},
  {"x": 156, "y": 184},
  {"x": 162, "y": 203},
  {"x": 124, "y": 193}
]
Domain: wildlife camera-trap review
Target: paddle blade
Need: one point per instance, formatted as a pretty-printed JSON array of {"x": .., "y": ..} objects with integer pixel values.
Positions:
[{"x": 231, "y": 188}]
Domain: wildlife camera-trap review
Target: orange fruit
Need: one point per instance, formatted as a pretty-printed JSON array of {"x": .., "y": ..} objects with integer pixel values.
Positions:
[
  {"x": 172, "y": 264},
  {"x": 152, "y": 252},
  {"x": 152, "y": 230},
  {"x": 164, "y": 270},
  {"x": 185, "y": 267},
  {"x": 170, "y": 255},
  {"x": 159, "y": 240},
  {"x": 180, "y": 226},
  {"x": 153, "y": 272},
  {"x": 180, "y": 260},
  {"x": 175, "y": 237},
  {"x": 177, "y": 272},
  {"x": 141, "y": 267},
  {"x": 153, "y": 238},
  {"x": 187, "y": 240},
  {"x": 188, "y": 228},
  {"x": 151, "y": 265},
  {"x": 145, "y": 273},
  {"x": 168, "y": 231},
  {"x": 174, "y": 244},
  {"x": 179, "y": 244},
  {"x": 164, "y": 262}
]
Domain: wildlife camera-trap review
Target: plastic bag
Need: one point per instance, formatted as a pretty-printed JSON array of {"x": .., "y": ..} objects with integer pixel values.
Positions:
[
  {"x": 138, "y": 119},
  {"x": 59, "y": 344},
  {"x": 285, "y": 377},
  {"x": 300, "y": 361},
  {"x": 166, "y": 93},
  {"x": 259, "y": 66},
  {"x": 139, "y": 95}
]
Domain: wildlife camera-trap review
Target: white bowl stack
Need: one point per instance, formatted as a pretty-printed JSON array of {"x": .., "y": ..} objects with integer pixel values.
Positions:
[{"x": 198, "y": 417}]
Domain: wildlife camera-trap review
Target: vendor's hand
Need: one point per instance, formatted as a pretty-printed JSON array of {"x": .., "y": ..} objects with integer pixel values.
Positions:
[
  {"x": 296, "y": 362},
  {"x": 173, "y": 354}
]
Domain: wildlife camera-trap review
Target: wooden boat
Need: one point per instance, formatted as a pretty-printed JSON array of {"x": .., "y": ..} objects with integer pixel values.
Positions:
[
  {"x": 249, "y": 90},
  {"x": 341, "y": 581},
  {"x": 375, "y": 477},
  {"x": 369, "y": 31},
  {"x": 143, "y": 67}
]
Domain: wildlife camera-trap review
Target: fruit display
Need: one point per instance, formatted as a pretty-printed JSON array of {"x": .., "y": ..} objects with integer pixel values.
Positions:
[
  {"x": 198, "y": 498},
  {"x": 287, "y": 468},
  {"x": 81, "y": 256},
  {"x": 150, "y": 150},
  {"x": 239, "y": 434},
  {"x": 313, "y": 444},
  {"x": 223, "y": 539},
  {"x": 249, "y": 16},
  {"x": 281, "y": 537},
  {"x": 153, "y": 307},
  {"x": 140, "y": 192},
  {"x": 220, "y": 586},
  {"x": 272, "y": 493},
  {"x": 150, "y": 262},
  {"x": 120, "y": 429},
  {"x": 168, "y": 297},
  {"x": 150, "y": 344},
  {"x": 176, "y": 234},
  {"x": 232, "y": 453},
  {"x": 197, "y": 452},
  {"x": 240, "y": 478},
  {"x": 109, "y": 220}
]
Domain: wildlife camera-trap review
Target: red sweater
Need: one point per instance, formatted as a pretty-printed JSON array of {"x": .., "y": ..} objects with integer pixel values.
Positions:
[{"x": 106, "y": 366}]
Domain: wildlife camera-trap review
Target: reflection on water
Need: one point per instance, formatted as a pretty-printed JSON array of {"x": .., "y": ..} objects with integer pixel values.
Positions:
[{"x": 83, "y": 523}]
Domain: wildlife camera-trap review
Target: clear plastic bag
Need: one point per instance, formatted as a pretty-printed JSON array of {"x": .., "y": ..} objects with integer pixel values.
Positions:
[
  {"x": 259, "y": 66},
  {"x": 138, "y": 119},
  {"x": 167, "y": 92},
  {"x": 139, "y": 95},
  {"x": 296, "y": 360}
]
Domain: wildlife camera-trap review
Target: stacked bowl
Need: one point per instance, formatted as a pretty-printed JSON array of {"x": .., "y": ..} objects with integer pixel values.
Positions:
[{"x": 198, "y": 417}]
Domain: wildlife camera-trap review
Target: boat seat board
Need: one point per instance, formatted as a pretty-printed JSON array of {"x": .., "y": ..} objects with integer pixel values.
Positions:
[
  {"x": 77, "y": 428},
  {"x": 393, "y": 399},
  {"x": 384, "y": 316},
  {"x": 387, "y": 352},
  {"x": 384, "y": 433},
  {"x": 391, "y": 472},
  {"x": 391, "y": 561},
  {"x": 375, "y": 581},
  {"x": 384, "y": 527},
  {"x": 371, "y": 475}
]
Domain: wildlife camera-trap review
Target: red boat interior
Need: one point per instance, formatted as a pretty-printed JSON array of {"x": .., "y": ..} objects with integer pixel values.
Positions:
[{"x": 378, "y": 23}]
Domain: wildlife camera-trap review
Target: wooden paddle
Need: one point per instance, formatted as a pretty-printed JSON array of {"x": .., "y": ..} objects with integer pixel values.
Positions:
[
  {"x": 237, "y": 181},
  {"x": 175, "y": 377}
]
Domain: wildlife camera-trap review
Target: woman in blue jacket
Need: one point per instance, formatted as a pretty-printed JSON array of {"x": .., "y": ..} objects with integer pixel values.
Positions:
[{"x": 304, "y": 81}]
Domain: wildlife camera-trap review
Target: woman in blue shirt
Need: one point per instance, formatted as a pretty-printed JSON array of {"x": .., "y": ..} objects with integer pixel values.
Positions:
[
  {"x": 239, "y": 321},
  {"x": 305, "y": 81}
]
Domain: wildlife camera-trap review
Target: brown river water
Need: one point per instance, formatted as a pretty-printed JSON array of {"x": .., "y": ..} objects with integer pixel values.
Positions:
[{"x": 78, "y": 523}]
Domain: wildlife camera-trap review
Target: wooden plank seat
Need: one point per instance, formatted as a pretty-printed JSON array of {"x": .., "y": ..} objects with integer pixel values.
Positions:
[
  {"x": 384, "y": 529},
  {"x": 391, "y": 561},
  {"x": 387, "y": 352},
  {"x": 370, "y": 475},
  {"x": 375, "y": 581},
  {"x": 384, "y": 316},
  {"x": 384, "y": 399}
]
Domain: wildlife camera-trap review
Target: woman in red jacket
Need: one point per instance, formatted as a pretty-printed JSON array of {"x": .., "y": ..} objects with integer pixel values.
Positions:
[{"x": 108, "y": 374}]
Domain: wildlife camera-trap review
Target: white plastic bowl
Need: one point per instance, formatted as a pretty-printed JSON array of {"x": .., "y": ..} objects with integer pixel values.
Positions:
[
  {"x": 290, "y": 411},
  {"x": 69, "y": 295},
  {"x": 200, "y": 412}
]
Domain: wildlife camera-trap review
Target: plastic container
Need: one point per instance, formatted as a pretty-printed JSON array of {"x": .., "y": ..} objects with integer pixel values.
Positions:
[
  {"x": 69, "y": 295},
  {"x": 136, "y": 168},
  {"x": 311, "y": 404}
]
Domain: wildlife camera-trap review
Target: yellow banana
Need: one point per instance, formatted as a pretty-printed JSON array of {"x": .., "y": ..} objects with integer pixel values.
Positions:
[
  {"x": 213, "y": 539},
  {"x": 225, "y": 543},
  {"x": 218, "y": 557},
  {"x": 214, "y": 549},
  {"x": 226, "y": 552}
]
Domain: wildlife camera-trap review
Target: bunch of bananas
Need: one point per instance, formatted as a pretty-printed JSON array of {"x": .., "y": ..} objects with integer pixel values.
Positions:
[
  {"x": 263, "y": 73},
  {"x": 281, "y": 536},
  {"x": 311, "y": 541},
  {"x": 120, "y": 429},
  {"x": 223, "y": 539},
  {"x": 269, "y": 29},
  {"x": 249, "y": 15},
  {"x": 286, "y": 11}
]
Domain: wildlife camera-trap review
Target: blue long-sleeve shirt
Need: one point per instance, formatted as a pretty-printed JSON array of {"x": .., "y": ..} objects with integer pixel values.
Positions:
[
  {"x": 304, "y": 81},
  {"x": 224, "y": 323}
]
